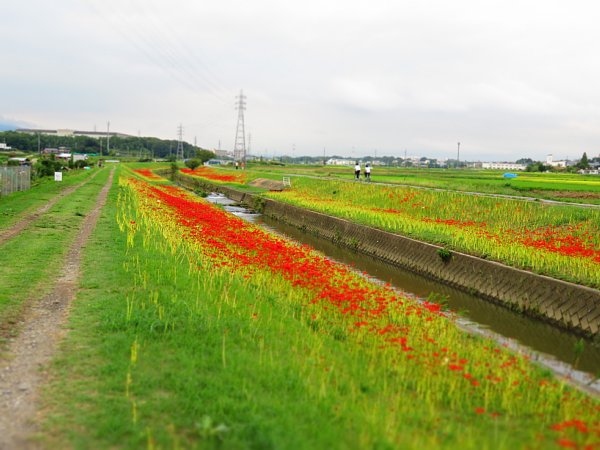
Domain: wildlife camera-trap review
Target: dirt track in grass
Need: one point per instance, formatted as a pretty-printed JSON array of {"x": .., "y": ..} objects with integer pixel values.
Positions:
[
  {"x": 22, "y": 372},
  {"x": 23, "y": 223}
]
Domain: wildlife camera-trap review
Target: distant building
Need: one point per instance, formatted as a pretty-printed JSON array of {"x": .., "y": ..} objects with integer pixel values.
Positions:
[
  {"x": 340, "y": 162},
  {"x": 503, "y": 166},
  {"x": 21, "y": 161},
  {"x": 562, "y": 163},
  {"x": 76, "y": 157},
  {"x": 55, "y": 151},
  {"x": 223, "y": 153},
  {"x": 68, "y": 132},
  {"x": 4, "y": 147},
  {"x": 215, "y": 162}
]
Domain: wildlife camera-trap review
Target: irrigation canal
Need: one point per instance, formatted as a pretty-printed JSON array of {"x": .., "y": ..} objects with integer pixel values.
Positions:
[{"x": 552, "y": 347}]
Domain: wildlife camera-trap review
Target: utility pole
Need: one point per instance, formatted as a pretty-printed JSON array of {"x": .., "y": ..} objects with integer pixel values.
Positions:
[
  {"x": 239, "y": 149},
  {"x": 179, "y": 154},
  {"x": 458, "y": 155},
  {"x": 108, "y": 137}
]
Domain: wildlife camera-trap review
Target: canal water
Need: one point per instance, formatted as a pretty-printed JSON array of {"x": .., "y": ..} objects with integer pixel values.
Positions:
[{"x": 552, "y": 347}]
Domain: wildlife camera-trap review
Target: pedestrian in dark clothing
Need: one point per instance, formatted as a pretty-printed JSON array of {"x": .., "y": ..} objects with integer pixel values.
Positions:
[{"x": 357, "y": 171}]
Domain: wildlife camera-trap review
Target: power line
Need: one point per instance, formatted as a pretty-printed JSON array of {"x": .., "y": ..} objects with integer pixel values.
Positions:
[{"x": 154, "y": 49}]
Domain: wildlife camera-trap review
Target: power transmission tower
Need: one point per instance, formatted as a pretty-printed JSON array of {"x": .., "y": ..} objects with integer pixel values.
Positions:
[
  {"x": 239, "y": 149},
  {"x": 179, "y": 154}
]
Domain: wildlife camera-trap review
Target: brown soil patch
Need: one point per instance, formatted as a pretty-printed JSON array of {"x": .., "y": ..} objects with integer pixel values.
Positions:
[
  {"x": 22, "y": 373},
  {"x": 569, "y": 194}
]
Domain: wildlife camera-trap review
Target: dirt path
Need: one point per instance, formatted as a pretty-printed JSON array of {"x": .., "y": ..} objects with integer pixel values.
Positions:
[
  {"x": 29, "y": 353},
  {"x": 21, "y": 224}
]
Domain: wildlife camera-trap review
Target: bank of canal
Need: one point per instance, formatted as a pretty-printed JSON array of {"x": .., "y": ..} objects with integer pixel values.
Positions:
[{"x": 555, "y": 348}]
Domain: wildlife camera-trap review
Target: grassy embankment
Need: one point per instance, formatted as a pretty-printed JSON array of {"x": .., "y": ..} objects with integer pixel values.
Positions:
[
  {"x": 174, "y": 344},
  {"x": 15, "y": 206},
  {"x": 31, "y": 260},
  {"x": 559, "y": 241}
]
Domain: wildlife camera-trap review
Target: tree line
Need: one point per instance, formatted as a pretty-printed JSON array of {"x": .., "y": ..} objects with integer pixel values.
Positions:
[{"x": 148, "y": 146}]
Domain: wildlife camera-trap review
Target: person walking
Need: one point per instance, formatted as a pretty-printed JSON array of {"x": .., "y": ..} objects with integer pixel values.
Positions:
[
  {"x": 368, "y": 172},
  {"x": 357, "y": 171}
]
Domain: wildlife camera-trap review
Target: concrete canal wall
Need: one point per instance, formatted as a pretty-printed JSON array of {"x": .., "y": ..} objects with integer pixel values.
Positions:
[{"x": 565, "y": 304}]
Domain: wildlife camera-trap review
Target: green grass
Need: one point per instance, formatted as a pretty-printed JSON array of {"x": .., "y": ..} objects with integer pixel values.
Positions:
[
  {"x": 547, "y": 239},
  {"x": 32, "y": 259},
  {"x": 160, "y": 354},
  {"x": 553, "y": 186},
  {"x": 16, "y": 205}
]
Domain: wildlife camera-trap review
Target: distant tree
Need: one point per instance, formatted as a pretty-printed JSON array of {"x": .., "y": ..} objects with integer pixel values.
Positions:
[
  {"x": 583, "y": 162},
  {"x": 174, "y": 170},
  {"x": 525, "y": 161},
  {"x": 537, "y": 167},
  {"x": 204, "y": 155},
  {"x": 47, "y": 166},
  {"x": 193, "y": 163}
]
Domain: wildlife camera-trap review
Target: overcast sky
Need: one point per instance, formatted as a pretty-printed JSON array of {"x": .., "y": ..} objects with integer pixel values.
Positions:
[{"x": 507, "y": 79}]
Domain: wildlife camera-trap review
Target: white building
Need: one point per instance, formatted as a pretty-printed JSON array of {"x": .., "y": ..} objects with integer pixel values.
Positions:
[
  {"x": 68, "y": 132},
  {"x": 3, "y": 146},
  {"x": 340, "y": 162},
  {"x": 223, "y": 153},
  {"x": 550, "y": 162},
  {"x": 76, "y": 157},
  {"x": 503, "y": 166}
]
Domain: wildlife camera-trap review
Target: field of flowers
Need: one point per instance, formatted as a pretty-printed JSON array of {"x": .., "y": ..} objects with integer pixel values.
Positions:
[
  {"x": 218, "y": 176},
  {"x": 554, "y": 240},
  {"x": 559, "y": 241},
  {"x": 556, "y": 186},
  {"x": 236, "y": 338}
]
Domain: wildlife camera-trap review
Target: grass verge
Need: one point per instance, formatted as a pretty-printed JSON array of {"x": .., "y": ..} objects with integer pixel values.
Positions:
[
  {"x": 31, "y": 260},
  {"x": 16, "y": 205}
]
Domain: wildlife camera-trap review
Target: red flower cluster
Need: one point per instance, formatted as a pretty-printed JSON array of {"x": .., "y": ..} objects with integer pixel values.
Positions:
[
  {"x": 234, "y": 243},
  {"x": 211, "y": 174},
  {"x": 573, "y": 431},
  {"x": 147, "y": 173},
  {"x": 562, "y": 240}
]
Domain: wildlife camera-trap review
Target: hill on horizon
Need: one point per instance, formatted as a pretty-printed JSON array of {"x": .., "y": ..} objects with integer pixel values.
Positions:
[{"x": 7, "y": 126}]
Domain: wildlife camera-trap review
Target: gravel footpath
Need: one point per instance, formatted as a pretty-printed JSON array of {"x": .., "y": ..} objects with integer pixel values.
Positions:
[{"x": 22, "y": 372}]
